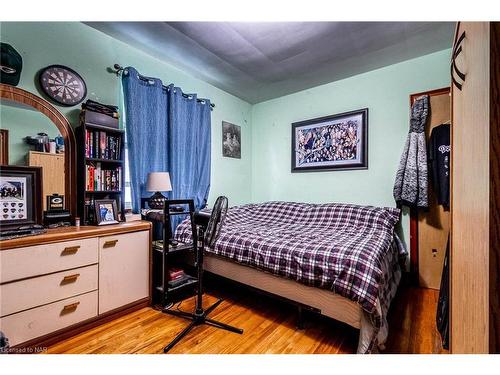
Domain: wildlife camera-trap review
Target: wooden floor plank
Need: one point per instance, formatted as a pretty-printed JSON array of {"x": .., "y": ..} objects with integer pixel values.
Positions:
[{"x": 269, "y": 325}]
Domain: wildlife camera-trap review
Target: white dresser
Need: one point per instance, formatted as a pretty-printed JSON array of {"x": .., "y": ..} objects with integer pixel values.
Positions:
[{"x": 71, "y": 278}]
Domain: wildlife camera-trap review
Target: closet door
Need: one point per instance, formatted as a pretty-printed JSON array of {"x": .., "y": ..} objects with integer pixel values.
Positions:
[
  {"x": 431, "y": 227},
  {"x": 470, "y": 192},
  {"x": 434, "y": 223}
]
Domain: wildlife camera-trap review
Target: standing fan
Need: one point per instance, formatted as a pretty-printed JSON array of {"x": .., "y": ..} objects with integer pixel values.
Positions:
[{"x": 208, "y": 226}]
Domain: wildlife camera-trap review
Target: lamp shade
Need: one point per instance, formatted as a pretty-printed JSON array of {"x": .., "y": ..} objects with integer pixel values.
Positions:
[{"x": 158, "y": 181}]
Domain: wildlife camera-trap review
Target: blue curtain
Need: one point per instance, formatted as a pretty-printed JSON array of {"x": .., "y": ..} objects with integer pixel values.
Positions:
[
  {"x": 168, "y": 131},
  {"x": 146, "y": 111},
  {"x": 190, "y": 142}
]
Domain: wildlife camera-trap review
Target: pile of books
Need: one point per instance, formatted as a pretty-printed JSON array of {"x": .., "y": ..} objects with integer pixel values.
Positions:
[
  {"x": 100, "y": 145},
  {"x": 176, "y": 277},
  {"x": 99, "y": 179}
]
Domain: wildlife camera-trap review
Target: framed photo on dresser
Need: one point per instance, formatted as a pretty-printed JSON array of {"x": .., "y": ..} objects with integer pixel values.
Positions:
[
  {"x": 20, "y": 196},
  {"x": 331, "y": 143},
  {"x": 106, "y": 211}
]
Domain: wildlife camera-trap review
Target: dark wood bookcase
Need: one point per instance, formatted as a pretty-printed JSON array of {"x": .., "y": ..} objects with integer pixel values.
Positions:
[{"x": 105, "y": 160}]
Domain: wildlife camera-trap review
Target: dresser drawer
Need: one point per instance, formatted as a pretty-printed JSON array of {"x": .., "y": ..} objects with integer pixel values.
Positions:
[
  {"x": 30, "y": 324},
  {"x": 37, "y": 260},
  {"x": 36, "y": 291}
]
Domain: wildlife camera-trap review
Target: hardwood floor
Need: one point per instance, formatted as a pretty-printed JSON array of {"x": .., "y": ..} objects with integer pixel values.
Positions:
[
  {"x": 270, "y": 327},
  {"x": 412, "y": 323}
]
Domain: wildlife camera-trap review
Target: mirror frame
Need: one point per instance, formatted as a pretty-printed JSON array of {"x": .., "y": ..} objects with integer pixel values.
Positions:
[{"x": 41, "y": 105}]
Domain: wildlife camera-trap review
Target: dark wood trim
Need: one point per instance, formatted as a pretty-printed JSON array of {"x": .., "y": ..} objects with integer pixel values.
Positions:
[
  {"x": 37, "y": 345},
  {"x": 414, "y": 211},
  {"x": 27, "y": 98},
  {"x": 494, "y": 265},
  {"x": 4, "y": 146},
  {"x": 436, "y": 92}
]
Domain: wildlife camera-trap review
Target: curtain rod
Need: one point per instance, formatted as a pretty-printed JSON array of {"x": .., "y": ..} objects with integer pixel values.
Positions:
[{"x": 118, "y": 69}]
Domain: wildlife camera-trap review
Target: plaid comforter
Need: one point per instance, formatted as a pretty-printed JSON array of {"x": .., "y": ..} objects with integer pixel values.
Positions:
[{"x": 340, "y": 247}]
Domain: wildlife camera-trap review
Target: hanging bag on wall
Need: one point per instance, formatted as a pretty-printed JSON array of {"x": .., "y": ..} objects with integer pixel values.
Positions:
[{"x": 11, "y": 64}]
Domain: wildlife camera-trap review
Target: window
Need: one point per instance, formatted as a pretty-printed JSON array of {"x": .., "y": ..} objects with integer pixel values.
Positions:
[{"x": 128, "y": 188}]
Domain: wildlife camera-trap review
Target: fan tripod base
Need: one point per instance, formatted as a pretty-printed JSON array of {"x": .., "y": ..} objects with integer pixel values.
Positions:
[{"x": 198, "y": 318}]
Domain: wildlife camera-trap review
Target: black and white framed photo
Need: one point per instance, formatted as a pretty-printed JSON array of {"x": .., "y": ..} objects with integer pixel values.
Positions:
[
  {"x": 20, "y": 196},
  {"x": 231, "y": 140},
  {"x": 106, "y": 212},
  {"x": 331, "y": 143}
]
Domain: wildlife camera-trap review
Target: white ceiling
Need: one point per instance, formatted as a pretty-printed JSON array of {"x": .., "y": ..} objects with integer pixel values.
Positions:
[{"x": 261, "y": 61}]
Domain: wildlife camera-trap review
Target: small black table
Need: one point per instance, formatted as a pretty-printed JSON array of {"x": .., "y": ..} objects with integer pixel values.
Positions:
[{"x": 162, "y": 256}]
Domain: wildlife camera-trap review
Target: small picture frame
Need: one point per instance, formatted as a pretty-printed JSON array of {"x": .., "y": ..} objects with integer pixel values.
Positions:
[
  {"x": 106, "y": 212},
  {"x": 55, "y": 202},
  {"x": 231, "y": 140}
]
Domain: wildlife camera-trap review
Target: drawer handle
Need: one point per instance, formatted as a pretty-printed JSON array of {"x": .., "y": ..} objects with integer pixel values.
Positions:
[
  {"x": 110, "y": 243},
  {"x": 69, "y": 308},
  {"x": 70, "y": 250},
  {"x": 70, "y": 278}
]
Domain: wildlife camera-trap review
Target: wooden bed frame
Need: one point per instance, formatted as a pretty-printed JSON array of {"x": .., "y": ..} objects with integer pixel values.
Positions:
[{"x": 325, "y": 302}]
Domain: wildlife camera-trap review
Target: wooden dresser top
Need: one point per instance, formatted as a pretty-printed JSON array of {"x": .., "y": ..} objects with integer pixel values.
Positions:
[{"x": 72, "y": 233}]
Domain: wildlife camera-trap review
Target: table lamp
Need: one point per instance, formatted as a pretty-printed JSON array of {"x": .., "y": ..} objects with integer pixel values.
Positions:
[{"x": 157, "y": 182}]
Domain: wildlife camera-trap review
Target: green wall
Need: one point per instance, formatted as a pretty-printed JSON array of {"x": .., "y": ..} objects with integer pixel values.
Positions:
[
  {"x": 263, "y": 173},
  {"x": 385, "y": 92},
  {"x": 91, "y": 53}
]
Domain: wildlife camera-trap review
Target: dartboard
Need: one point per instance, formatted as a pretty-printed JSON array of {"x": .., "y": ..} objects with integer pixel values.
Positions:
[{"x": 63, "y": 85}]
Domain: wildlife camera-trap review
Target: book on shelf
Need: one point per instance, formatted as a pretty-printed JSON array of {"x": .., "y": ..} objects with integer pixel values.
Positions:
[
  {"x": 100, "y": 145},
  {"x": 100, "y": 179},
  {"x": 175, "y": 273},
  {"x": 89, "y": 210},
  {"x": 180, "y": 281}
]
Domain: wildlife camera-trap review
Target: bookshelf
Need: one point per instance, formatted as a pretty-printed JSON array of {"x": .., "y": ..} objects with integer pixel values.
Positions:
[{"x": 100, "y": 168}]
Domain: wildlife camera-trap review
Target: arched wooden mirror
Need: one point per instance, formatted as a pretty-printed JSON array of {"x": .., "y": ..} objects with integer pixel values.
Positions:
[{"x": 24, "y": 114}]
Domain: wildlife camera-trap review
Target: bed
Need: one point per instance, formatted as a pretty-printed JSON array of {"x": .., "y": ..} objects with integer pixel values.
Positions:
[{"x": 340, "y": 259}]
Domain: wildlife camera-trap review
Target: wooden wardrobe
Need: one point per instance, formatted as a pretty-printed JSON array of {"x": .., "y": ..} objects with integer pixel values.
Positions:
[{"x": 475, "y": 189}]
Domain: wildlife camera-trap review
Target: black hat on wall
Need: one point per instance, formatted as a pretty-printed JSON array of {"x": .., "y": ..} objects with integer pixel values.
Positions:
[{"x": 11, "y": 64}]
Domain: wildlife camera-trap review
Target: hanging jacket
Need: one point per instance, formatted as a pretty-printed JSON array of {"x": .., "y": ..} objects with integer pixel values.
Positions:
[
  {"x": 410, "y": 187},
  {"x": 439, "y": 163}
]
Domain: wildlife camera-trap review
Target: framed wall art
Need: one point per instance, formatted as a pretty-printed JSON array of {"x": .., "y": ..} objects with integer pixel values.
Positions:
[
  {"x": 20, "y": 196},
  {"x": 330, "y": 143},
  {"x": 231, "y": 140}
]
